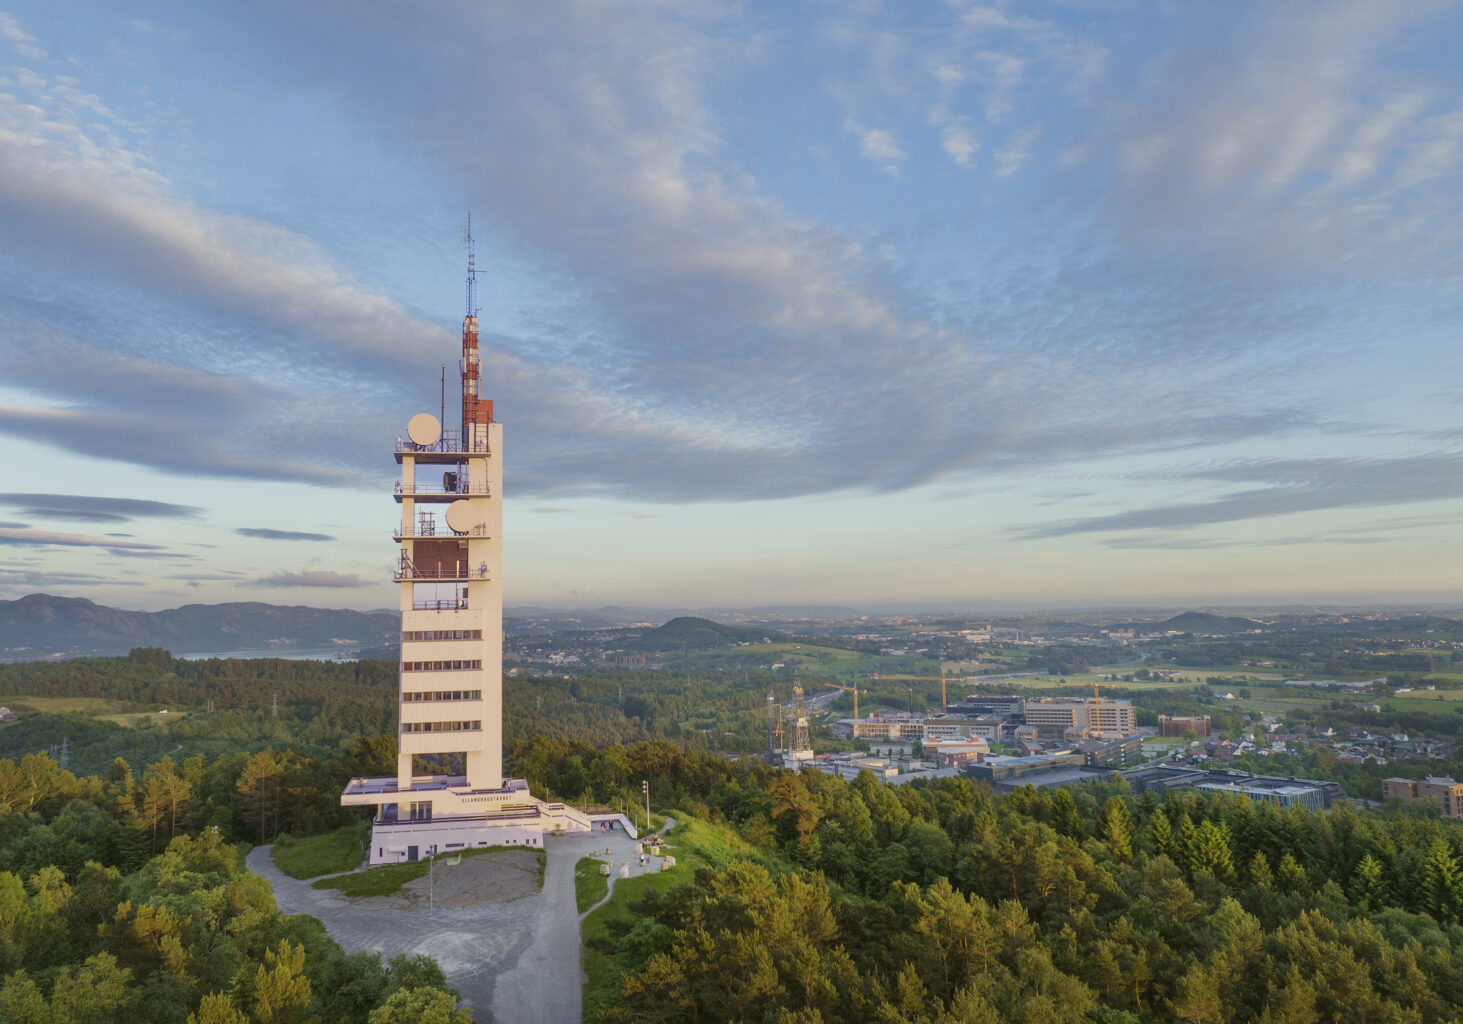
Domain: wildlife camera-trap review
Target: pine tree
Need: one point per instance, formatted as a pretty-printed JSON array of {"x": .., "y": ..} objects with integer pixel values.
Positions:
[
  {"x": 1117, "y": 829},
  {"x": 1443, "y": 882},
  {"x": 1160, "y": 834},
  {"x": 1368, "y": 885}
]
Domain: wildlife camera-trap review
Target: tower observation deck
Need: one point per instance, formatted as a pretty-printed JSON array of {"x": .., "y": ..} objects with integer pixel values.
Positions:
[{"x": 451, "y": 671}]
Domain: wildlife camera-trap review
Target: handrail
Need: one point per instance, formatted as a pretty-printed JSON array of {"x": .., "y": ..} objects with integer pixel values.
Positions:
[
  {"x": 480, "y": 530},
  {"x": 440, "y": 606},
  {"x": 404, "y": 571},
  {"x": 447, "y": 446},
  {"x": 477, "y": 490}
]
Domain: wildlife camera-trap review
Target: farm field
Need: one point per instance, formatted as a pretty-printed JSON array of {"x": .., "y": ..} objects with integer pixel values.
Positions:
[{"x": 64, "y": 705}]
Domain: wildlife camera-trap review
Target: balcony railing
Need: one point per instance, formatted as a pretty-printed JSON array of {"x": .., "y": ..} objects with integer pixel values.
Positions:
[
  {"x": 448, "y": 605},
  {"x": 407, "y": 571},
  {"x": 449, "y": 444},
  {"x": 481, "y": 530},
  {"x": 462, "y": 487}
]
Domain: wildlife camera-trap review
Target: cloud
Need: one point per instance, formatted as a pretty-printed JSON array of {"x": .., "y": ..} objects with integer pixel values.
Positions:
[
  {"x": 307, "y": 579},
  {"x": 1016, "y": 151},
  {"x": 709, "y": 339},
  {"x": 879, "y": 146},
  {"x": 266, "y": 534},
  {"x": 959, "y": 143},
  {"x": 47, "y": 538},
  {"x": 20, "y": 40},
  {"x": 1288, "y": 486},
  {"x": 97, "y": 508}
]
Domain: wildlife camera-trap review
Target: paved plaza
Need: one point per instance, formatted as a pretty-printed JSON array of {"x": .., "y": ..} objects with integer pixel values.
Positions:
[{"x": 511, "y": 949}]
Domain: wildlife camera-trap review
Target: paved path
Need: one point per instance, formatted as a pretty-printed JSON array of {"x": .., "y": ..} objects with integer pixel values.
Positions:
[{"x": 521, "y": 958}]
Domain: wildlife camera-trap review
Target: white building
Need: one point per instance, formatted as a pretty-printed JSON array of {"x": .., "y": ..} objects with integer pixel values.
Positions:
[{"x": 451, "y": 674}]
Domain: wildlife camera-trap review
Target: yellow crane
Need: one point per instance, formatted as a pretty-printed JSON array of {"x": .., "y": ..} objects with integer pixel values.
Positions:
[
  {"x": 849, "y": 689},
  {"x": 944, "y": 700}
]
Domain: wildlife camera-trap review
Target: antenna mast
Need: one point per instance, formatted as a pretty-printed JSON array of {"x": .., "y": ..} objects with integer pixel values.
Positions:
[{"x": 472, "y": 270}]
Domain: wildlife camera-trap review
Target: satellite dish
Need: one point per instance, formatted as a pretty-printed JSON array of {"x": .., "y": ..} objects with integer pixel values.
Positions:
[
  {"x": 424, "y": 429},
  {"x": 462, "y": 516}
]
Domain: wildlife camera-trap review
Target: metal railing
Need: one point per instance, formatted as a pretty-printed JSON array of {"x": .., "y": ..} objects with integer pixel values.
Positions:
[
  {"x": 481, "y": 530},
  {"x": 440, "y": 572},
  {"x": 449, "y": 444},
  {"x": 477, "y": 490},
  {"x": 449, "y": 605}
]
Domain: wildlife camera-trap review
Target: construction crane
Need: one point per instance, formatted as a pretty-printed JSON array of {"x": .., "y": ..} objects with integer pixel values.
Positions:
[
  {"x": 944, "y": 700},
  {"x": 848, "y": 689}
]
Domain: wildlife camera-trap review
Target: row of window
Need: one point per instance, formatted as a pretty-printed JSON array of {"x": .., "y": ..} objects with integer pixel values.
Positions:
[
  {"x": 441, "y": 726},
  {"x": 443, "y": 695},
  {"x": 439, "y": 666},
  {"x": 442, "y": 634}
]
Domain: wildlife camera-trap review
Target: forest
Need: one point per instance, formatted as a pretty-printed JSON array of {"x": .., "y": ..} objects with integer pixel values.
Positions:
[{"x": 123, "y": 894}]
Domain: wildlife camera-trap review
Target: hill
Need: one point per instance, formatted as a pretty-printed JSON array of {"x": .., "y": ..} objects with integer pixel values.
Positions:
[
  {"x": 44, "y": 626},
  {"x": 688, "y": 633},
  {"x": 1196, "y": 622}
]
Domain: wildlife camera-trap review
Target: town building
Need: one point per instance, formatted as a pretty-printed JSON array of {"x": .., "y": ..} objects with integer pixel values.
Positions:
[
  {"x": 1177, "y": 725},
  {"x": 1080, "y": 717},
  {"x": 449, "y": 568},
  {"x": 1441, "y": 790}
]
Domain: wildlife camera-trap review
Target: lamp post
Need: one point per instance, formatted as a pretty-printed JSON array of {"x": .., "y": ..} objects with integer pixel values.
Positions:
[{"x": 645, "y": 788}]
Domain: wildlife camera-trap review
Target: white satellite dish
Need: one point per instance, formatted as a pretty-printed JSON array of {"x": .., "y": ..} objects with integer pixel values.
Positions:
[
  {"x": 424, "y": 429},
  {"x": 462, "y": 516}
]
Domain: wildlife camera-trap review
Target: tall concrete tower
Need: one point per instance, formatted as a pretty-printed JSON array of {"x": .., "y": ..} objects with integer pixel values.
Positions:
[{"x": 449, "y": 563}]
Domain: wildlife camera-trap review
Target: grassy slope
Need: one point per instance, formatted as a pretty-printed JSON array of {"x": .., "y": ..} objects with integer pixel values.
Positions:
[
  {"x": 589, "y": 884},
  {"x": 388, "y": 879},
  {"x": 693, "y": 843},
  {"x": 341, "y": 850}
]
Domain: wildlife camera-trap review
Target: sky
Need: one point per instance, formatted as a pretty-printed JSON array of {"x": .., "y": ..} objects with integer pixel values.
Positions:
[{"x": 975, "y": 305}]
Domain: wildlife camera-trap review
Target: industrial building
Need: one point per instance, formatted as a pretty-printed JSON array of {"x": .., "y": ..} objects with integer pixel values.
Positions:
[
  {"x": 450, "y": 683},
  {"x": 1275, "y": 788},
  {"x": 1441, "y": 790},
  {"x": 1004, "y": 774}
]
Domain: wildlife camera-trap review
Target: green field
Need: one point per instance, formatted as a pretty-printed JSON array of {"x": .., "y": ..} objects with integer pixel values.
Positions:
[{"x": 63, "y": 705}]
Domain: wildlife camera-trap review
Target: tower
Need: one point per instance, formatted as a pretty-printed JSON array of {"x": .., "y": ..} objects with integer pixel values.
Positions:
[{"x": 448, "y": 569}]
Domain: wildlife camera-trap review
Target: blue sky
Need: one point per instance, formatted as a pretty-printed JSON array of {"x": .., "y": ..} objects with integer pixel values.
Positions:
[{"x": 1031, "y": 305}]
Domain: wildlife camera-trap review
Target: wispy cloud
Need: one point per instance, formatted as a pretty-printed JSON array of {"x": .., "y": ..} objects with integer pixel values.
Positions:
[
  {"x": 307, "y": 579},
  {"x": 97, "y": 508},
  {"x": 48, "y": 538},
  {"x": 1288, "y": 486},
  {"x": 267, "y": 534}
]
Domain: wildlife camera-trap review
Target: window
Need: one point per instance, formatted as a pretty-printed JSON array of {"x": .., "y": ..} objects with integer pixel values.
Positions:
[
  {"x": 421, "y": 810},
  {"x": 475, "y": 726},
  {"x": 414, "y": 696},
  {"x": 442, "y": 634},
  {"x": 441, "y": 666}
]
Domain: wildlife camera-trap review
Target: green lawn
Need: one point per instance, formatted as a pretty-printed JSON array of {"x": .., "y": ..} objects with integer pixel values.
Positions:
[
  {"x": 388, "y": 879},
  {"x": 341, "y": 850},
  {"x": 589, "y": 883},
  {"x": 694, "y": 843}
]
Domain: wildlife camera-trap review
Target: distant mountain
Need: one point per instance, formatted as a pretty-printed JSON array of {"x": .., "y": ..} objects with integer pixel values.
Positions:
[
  {"x": 44, "y": 626},
  {"x": 688, "y": 633}
]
